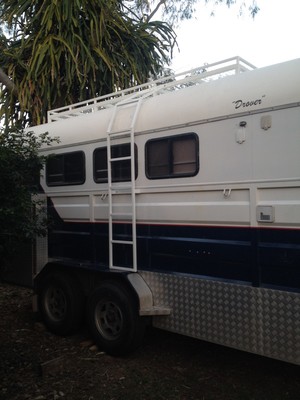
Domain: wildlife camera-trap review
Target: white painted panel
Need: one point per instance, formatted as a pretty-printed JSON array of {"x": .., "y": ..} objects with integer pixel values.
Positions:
[
  {"x": 100, "y": 202},
  {"x": 72, "y": 207},
  {"x": 222, "y": 159},
  {"x": 277, "y": 150},
  {"x": 204, "y": 207},
  {"x": 285, "y": 202}
]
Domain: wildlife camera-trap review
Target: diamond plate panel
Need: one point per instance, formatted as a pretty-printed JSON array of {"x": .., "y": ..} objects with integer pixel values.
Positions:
[
  {"x": 256, "y": 320},
  {"x": 41, "y": 254}
]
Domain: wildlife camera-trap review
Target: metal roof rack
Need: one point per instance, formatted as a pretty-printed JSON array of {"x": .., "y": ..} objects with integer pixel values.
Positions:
[{"x": 205, "y": 73}]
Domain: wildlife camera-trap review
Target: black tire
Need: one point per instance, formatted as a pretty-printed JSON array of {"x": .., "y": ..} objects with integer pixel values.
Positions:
[
  {"x": 61, "y": 303},
  {"x": 113, "y": 319}
]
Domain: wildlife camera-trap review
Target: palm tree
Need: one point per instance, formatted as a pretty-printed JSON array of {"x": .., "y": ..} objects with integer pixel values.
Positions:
[{"x": 64, "y": 51}]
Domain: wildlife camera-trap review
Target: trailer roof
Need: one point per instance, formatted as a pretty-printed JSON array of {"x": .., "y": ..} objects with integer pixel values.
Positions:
[{"x": 254, "y": 90}]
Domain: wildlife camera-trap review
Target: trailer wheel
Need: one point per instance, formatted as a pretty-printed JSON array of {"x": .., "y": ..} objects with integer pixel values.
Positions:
[
  {"x": 61, "y": 303},
  {"x": 113, "y": 319}
]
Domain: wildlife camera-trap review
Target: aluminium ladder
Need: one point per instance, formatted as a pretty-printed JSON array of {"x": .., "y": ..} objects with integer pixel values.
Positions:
[{"x": 128, "y": 188}]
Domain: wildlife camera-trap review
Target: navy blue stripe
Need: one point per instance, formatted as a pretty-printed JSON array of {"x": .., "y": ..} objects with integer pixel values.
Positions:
[{"x": 260, "y": 257}]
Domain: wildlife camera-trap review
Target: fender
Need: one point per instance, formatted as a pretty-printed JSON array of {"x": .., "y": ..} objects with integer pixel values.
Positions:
[{"x": 147, "y": 307}]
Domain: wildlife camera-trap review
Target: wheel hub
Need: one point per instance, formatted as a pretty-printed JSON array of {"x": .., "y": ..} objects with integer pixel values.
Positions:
[
  {"x": 55, "y": 303},
  {"x": 109, "y": 320}
]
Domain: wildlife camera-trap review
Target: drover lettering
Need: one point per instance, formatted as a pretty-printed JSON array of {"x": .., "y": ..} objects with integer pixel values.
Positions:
[{"x": 240, "y": 103}]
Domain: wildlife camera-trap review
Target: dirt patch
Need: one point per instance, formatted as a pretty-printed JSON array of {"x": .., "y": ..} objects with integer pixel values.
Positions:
[{"x": 37, "y": 365}]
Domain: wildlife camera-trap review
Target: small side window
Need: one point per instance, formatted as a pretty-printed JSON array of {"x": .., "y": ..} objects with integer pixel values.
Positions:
[
  {"x": 121, "y": 170},
  {"x": 100, "y": 165},
  {"x": 66, "y": 169},
  {"x": 172, "y": 157}
]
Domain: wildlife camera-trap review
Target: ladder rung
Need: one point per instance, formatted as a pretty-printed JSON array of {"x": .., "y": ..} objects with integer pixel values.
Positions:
[
  {"x": 126, "y": 102},
  {"x": 120, "y": 215},
  {"x": 127, "y": 132},
  {"x": 129, "y": 242},
  {"x": 120, "y": 189},
  {"x": 122, "y": 268},
  {"x": 120, "y": 158},
  {"x": 116, "y": 192}
]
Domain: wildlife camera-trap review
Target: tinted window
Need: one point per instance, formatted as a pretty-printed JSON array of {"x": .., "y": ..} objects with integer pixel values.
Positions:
[
  {"x": 121, "y": 170},
  {"x": 172, "y": 157},
  {"x": 66, "y": 169}
]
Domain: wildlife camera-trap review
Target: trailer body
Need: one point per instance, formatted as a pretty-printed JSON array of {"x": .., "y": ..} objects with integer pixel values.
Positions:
[{"x": 184, "y": 197}]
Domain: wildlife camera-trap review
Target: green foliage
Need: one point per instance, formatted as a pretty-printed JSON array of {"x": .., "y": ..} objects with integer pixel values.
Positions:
[
  {"x": 174, "y": 11},
  {"x": 66, "y": 51},
  {"x": 249, "y": 5},
  {"x": 21, "y": 214}
]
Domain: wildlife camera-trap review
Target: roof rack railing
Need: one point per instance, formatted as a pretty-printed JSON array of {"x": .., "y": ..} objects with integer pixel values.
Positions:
[{"x": 204, "y": 73}]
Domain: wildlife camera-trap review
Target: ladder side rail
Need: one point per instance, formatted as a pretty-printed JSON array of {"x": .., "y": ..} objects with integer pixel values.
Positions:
[
  {"x": 110, "y": 203},
  {"x": 110, "y": 191},
  {"x": 133, "y": 189}
]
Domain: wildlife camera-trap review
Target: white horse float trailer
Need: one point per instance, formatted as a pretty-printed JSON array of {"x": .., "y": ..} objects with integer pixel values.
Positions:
[{"x": 178, "y": 201}]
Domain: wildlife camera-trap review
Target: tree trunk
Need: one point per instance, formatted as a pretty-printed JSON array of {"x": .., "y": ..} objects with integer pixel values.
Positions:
[{"x": 4, "y": 79}]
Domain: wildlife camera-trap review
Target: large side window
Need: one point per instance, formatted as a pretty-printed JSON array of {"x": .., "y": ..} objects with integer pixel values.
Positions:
[
  {"x": 172, "y": 157},
  {"x": 66, "y": 169},
  {"x": 121, "y": 170}
]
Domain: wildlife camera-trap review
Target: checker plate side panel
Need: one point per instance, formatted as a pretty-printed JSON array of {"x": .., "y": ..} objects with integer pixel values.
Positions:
[{"x": 256, "y": 320}]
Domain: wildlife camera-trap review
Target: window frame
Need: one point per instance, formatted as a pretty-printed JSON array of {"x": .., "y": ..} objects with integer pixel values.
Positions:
[
  {"x": 64, "y": 181},
  {"x": 170, "y": 156},
  {"x": 115, "y": 179}
]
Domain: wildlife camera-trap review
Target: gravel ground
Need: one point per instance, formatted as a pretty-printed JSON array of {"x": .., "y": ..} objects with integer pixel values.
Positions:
[{"x": 37, "y": 365}]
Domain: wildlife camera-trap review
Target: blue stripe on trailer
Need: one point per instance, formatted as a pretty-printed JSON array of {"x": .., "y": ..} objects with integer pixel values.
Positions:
[{"x": 259, "y": 257}]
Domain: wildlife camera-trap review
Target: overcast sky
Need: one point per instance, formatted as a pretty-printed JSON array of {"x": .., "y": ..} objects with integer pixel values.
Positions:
[{"x": 272, "y": 37}]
